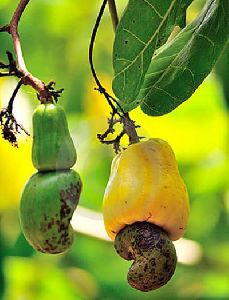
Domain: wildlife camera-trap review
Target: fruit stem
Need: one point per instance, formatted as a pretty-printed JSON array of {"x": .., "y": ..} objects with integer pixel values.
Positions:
[
  {"x": 129, "y": 126},
  {"x": 130, "y": 129}
]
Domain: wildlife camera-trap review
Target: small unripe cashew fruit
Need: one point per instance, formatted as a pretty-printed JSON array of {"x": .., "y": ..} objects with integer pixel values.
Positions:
[
  {"x": 153, "y": 253},
  {"x": 50, "y": 196},
  {"x": 145, "y": 207},
  {"x": 53, "y": 148}
]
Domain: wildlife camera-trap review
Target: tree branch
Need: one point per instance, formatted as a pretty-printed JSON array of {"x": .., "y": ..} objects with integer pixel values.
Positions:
[
  {"x": 113, "y": 13},
  {"x": 27, "y": 77},
  {"x": 45, "y": 93},
  {"x": 15, "y": 35}
]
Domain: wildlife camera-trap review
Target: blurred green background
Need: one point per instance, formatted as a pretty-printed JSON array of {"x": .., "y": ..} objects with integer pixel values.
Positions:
[{"x": 55, "y": 37}]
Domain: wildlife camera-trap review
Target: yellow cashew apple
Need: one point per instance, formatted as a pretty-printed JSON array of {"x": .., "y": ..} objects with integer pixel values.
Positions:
[{"x": 145, "y": 185}]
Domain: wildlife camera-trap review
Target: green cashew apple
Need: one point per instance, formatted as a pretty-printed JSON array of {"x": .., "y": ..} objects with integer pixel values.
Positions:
[
  {"x": 53, "y": 148},
  {"x": 47, "y": 205}
]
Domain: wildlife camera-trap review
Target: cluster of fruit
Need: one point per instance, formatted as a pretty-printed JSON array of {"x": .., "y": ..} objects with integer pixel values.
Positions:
[
  {"x": 51, "y": 195},
  {"x": 145, "y": 203}
]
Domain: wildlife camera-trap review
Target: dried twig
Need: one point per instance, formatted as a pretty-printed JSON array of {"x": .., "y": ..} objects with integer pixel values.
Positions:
[{"x": 9, "y": 126}]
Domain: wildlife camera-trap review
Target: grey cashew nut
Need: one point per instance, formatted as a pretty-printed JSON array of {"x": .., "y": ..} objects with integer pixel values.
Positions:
[{"x": 153, "y": 253}]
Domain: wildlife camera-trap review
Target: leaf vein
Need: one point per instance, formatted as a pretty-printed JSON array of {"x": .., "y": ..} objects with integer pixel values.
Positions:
[
  {"x": 165, "y": 57},
  {"x": 206, "y": 38},
  {"x": 154, "y": 73},
  {"x": 123, "y": 59},
  {"x": 183, "y": 69},
  {"x": 154, "y": 9},
  {"x": 171, "y": 96},
  {"x": 135, "y": 36}
]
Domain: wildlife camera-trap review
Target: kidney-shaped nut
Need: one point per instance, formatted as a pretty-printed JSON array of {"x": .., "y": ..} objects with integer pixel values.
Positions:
[{"x": 153, "y": 253}]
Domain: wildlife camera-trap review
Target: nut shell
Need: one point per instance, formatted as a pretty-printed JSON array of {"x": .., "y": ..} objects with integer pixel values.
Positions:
[{"x": 153, "y": 253}]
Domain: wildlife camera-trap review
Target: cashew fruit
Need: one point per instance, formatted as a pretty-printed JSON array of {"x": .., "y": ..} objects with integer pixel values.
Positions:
[
  {"x": 145, "y": 207},
  {"x": 153, "y": 253},
  {"x": 53, "y": 148},
  {"x": 145, "y": 185},
  {"x": 47, "y": 205}
]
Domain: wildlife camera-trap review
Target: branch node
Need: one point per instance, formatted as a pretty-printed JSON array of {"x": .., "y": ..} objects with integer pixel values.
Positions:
[{"x": 5, "y": 28}]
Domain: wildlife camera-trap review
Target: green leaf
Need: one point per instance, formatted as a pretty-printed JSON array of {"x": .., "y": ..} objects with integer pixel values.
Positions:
[
  {"x": 181, "y": 66},
  {"x": 143, "y": 28}
]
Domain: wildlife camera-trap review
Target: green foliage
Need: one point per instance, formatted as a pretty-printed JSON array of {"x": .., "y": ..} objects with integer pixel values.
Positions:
[
  {"x": 178, "y": 68},
  {"x": 177, "y": 71},
  {"x": 144, "y": 27}
]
